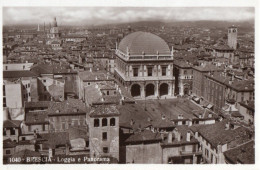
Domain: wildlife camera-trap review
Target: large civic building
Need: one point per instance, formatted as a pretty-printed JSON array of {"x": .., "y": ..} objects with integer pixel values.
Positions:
[{"x": 144, "y": 65}]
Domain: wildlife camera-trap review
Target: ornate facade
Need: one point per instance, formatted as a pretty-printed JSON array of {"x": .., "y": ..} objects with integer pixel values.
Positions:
[{"x": 144, "y": 65}]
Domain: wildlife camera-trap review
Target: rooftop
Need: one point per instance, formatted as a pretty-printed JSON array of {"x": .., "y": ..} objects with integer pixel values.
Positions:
[
  {"x": 94, "y": 76},
  {"x": 38, "y": 104},
  {"x": 238, "y": 85},
  {"x": 170, "y": 108},
  {"x": 217, "y": 133},
  {"x": 36, "y": 117},
  {"x": 208, "y": 67},
  {"x": 12, "y": 123},
  {"x": 244, "y": 153},
  {"x": 69, "y": 106},
  {"x": 19, "y": 74},
  {"x": 103, "y": 111},
  {"x": 138, "y": 42},
  {"x": 144, "y": 136}
]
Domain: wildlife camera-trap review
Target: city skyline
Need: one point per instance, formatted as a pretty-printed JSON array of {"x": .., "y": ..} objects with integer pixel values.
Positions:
[{"x": 117, "y": 15}]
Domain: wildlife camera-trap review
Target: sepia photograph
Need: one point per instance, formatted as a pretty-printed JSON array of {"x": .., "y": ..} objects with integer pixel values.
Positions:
[{"x": 128, "y": 85}]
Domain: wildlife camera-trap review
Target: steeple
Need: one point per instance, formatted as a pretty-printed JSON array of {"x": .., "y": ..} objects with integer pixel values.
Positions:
[
  {"x": 38, "y": 28},
  {"x": 54, "y": 22}
]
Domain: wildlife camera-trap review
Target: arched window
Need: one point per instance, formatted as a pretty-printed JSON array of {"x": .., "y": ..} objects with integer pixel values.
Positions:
[
  {"x": 96, "y": 122},
  {"x": 104, "y": 122},
  {"x": 112, "y": 122}
]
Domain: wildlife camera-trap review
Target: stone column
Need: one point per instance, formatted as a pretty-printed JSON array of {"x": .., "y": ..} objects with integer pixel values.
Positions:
[
  {"x": 142, "y": 90},
  {"x": 156, "y": 89},
  {"x": 170, "y": 89}
]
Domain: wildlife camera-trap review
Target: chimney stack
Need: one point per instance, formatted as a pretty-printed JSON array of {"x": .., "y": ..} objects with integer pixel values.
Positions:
[
  {"x": 210, "y": 115},
  {"x": 227, "y": 126}
]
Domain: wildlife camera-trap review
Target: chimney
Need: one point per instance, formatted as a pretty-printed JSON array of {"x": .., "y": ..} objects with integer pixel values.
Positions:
[
  {"x": 96, "y": 78},
  {"x": 132, "y": 122},
  {"x": 90, "y": 69},
  {"x": 227, "y": 126},
  {"x": 210, "y": 115},
  {"x": 188, "y": 136},
  {"x": 230, "y": 81},
  {"x": 170, "y": 137},
  {"x": 200, "y": 116}
]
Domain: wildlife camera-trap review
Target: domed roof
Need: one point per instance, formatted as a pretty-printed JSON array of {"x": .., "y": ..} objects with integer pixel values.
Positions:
[{"x": 139, "y": 42}]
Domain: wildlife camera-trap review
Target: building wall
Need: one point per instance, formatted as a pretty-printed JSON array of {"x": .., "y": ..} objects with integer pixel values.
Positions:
[
  {"x": 23, "y": 147},
  {"x": 144, "y": 153},
  {"x": 11, "y": 150},
  {"x": 175, "y": 151},
  {"x": 214, "y": 94},
  {"x": 62, "y": 123},
  {"x": 96, "y": 142},
  {"x": 12, "y": 137},
  {"x": 29, "y": 129},
  {"x": 198, "y": 84},
  {"x": 209, "y": 153},
  {"x": 248, "y": 114},
  {"x": 17, "y": 66},
  {"x": 14, "y": 95}
]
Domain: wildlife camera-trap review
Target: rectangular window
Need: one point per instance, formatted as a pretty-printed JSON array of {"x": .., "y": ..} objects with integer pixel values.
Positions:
[
  {"x": 12, "y": 131},
  {"x": 63, "y": 126},
  {"x": 4, "y": 102},
  {"x": 135, "y": 72},
  {"x": 105, "y": 149},
  {"x": 183, "y": 148},
  {"x": 7, "y": 152},
  {"x": 150, "y": 71},
  {"x": 104, "y": 136},
  {"x": 164, "y": 71},
  {"x": 4, "y": 132},
  {"x": 43, "y": 127},
  {"x": 6, "y": 67}
]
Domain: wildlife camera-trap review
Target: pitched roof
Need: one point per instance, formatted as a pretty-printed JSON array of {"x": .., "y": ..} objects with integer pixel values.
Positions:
[
  {"x": 54, "y": 139},
  {"x": 250, "y": 105},
  {"x": 94, "y": 76},
  {"x": 50, "y": 69},
  {"x": 217, "y": 133},
  {"x": 135, "y": 113},
  {"x": 19, "y": 74},
  {"x": 208, "y": 67},
  {"x": 78, "y": 132},
  {"x": 38, "y": 104},
  {"x": 69, "y": 106},
  {"x": 12, "y": 123},
  {"x": 103, "y": 111},
  {"x": 237, "y": 85},
  {"x": 244, "y": 153},
  {"x": 26, "y": 153},
  {"x": 36, "y": 117},
  {"x": 144, "y": 136},
  {"x": 8, "y": 143}
]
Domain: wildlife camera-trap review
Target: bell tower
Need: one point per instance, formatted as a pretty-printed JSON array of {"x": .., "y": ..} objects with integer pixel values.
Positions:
[{"x": 232, "y": 37}]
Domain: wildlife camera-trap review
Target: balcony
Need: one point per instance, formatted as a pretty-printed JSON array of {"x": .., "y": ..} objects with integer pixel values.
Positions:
[{"x": 187, "y": 153}]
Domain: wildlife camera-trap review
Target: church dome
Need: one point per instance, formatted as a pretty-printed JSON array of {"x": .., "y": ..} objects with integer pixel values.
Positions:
[{"x": 139, "y": 42}]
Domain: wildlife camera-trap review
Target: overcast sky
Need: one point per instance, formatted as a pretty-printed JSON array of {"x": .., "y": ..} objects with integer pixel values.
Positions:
[{"x": 106, "y": 15}]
